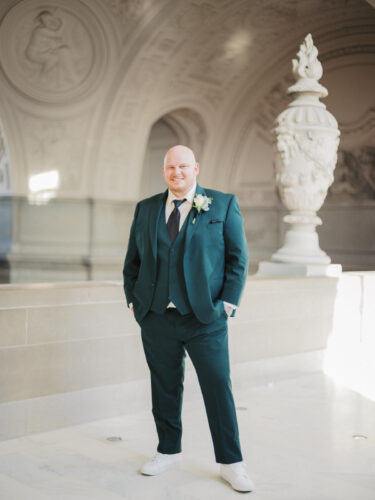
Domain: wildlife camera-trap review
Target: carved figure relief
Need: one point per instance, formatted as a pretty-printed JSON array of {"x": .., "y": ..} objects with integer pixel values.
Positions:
[
  {"x": 51, "y": 51},
  {"x": 58, "y": 53},
  {"x": 354, "y": 176}
]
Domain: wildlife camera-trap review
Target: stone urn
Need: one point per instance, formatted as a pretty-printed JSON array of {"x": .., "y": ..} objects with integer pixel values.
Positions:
[{"x": 306, "y": 138}]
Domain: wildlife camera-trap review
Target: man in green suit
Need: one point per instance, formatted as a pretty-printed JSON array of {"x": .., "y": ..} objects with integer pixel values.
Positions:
[{"x": 184, "y": 273}]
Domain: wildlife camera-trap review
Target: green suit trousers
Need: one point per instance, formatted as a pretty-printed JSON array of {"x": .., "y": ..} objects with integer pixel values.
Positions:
[{"x": 166, "y": 338}]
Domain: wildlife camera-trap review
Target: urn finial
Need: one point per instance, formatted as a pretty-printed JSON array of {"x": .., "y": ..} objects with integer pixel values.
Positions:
[{"x": 307, "y": 69}]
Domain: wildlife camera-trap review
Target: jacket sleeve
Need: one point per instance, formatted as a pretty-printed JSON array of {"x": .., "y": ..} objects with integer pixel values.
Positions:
[
  {"x": 236, "y": 254},
  {"x": 132, "y": 260}
]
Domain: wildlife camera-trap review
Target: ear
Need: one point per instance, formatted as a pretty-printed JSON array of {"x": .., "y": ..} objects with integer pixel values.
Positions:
[{"x": 197, "y": 168}]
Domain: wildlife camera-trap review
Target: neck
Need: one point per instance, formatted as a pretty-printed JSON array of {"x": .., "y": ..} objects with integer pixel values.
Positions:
[{"x": 179, "y": 194}]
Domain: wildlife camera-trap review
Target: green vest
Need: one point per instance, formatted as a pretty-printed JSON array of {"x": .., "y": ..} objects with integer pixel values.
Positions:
[{"x": 170, "y": 282}]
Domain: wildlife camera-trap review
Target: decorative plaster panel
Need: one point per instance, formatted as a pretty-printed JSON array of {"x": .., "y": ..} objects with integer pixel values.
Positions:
[
  {"x": 128, "y": 11},
  {"x": 52, "y": 51},
  {"x": 354, "y": 176},
  {"x": 56, "y": 144}
]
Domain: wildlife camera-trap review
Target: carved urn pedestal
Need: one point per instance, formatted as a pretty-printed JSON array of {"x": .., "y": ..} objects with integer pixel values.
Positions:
[{"x": 306, "y": 141}]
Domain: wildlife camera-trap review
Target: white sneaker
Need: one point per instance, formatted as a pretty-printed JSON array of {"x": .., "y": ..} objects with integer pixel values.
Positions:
[
  {"x": 236, "y": 476},
  {"x": 160, "y": 463}
]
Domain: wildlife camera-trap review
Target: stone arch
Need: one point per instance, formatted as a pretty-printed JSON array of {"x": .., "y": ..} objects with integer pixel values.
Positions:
[{"x": 179, "y": 126}]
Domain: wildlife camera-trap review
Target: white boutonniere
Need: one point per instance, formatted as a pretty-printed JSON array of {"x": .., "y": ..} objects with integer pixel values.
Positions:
[{"x": 201, "y": 202}]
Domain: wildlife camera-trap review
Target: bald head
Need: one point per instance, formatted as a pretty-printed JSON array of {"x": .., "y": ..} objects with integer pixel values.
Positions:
[
  {"x": 180, "y": 169},
  {"x": 180, "y": 151}
]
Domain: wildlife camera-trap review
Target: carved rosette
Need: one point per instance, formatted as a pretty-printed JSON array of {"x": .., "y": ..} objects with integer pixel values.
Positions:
[{"x": 306, "y": 141}]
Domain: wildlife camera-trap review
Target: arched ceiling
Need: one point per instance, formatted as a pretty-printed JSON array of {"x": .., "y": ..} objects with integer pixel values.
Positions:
[
  {"x": 217, "y": 58},
  {"x": 208, "y": 54},
  {"x": 216, "y": 47}
]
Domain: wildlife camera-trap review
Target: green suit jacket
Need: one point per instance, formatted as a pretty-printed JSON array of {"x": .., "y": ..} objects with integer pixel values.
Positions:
[{"x": 215, "y": 255}]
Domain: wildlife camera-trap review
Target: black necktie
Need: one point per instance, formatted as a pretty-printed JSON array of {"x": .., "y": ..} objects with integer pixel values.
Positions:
[{"x": 173, "y": 223}]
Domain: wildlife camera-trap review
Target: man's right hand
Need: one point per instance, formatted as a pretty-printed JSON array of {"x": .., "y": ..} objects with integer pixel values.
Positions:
[{"x": 131, "y": 307}]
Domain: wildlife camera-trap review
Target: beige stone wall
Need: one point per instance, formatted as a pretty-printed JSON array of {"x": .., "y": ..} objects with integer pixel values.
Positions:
[
  {"x": 60, "y": 338},
  {"x": 72, "y": 352}
]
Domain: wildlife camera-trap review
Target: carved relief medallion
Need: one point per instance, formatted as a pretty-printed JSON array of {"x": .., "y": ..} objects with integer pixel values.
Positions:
[{"x": 51, "y": 51}]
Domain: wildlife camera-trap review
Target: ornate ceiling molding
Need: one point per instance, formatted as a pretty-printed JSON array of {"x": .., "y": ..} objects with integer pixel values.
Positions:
[
  {"x": 363, "y": 125},
  {"x": 138, "y": 60}
]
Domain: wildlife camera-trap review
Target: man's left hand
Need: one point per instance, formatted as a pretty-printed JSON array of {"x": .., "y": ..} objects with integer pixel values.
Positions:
[{"x": 228, "y": 308}]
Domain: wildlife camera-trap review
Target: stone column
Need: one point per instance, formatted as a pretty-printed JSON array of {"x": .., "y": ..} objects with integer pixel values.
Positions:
[{"x": 306, "y": 138}]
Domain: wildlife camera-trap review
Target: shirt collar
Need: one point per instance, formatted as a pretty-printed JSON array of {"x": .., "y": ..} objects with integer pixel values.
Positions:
[{"x": 189, "y": 195}]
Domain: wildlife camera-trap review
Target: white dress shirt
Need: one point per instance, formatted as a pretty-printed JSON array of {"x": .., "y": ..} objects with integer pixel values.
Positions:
[{"x": 184, "y": 208}]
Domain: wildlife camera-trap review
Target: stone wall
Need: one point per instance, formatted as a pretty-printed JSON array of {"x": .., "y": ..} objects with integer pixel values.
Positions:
[{"x": 72, "y": 352}]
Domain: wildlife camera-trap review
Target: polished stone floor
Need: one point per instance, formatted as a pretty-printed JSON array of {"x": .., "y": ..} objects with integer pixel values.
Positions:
[{"x": 296, "y": 435}]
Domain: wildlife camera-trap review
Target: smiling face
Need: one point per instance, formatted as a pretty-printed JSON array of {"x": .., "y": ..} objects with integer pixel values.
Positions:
[{"x": 180, "y": 170}]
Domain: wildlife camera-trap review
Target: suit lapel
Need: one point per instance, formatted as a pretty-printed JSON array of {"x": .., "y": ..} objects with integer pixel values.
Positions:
[
  {"x": 156, "y": 212},
  {"x": 191, "y": 228}
]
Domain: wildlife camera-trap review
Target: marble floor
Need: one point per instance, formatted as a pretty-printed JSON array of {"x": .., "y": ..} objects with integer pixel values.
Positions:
[{"x": 296, "y": 435}]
